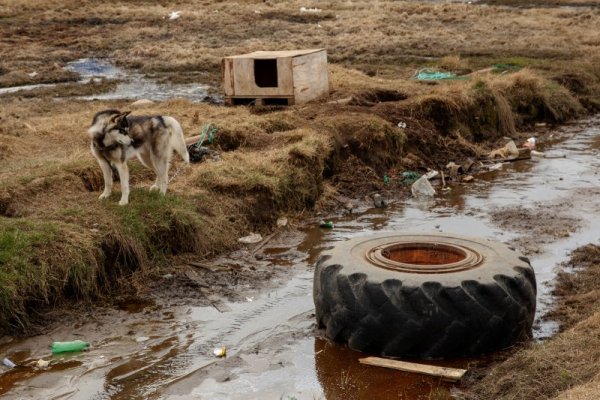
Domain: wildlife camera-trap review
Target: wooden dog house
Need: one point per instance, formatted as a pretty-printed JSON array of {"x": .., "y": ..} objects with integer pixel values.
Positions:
[{"x": 275, "y": 77}]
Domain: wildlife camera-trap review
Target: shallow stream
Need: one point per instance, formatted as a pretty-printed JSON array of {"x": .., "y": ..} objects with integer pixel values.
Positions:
[
  {"x": 132, "y": 86},
  {"x": 156, "y": 350}
]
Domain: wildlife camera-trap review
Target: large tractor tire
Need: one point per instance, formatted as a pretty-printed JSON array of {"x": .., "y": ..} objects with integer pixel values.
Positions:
[{"x": 424, "y": 296}]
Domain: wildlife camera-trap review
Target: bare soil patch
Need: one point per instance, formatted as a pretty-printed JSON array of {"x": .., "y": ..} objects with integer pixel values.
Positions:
[{"x": 543, "y": 226}]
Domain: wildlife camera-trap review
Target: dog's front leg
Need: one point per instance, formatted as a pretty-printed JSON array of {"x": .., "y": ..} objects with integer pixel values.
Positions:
[
  {"x": 124, "y": 178},
  {"x": 108, "y": 181}
]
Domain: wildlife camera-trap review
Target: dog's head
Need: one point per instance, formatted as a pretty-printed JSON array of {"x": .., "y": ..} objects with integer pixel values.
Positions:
[{"x": 109, "y": 122}]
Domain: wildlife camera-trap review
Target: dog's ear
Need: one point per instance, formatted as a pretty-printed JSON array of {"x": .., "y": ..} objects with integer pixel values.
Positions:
[
  {"x": 123, "y": 120},
  {"x": 120, "y": 119}
]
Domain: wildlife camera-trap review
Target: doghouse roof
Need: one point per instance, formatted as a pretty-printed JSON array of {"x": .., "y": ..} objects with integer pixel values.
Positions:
[{"x": 277, "y": 54}]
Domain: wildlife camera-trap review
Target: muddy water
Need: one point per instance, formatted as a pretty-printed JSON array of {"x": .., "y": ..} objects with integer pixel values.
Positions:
[
  {"x": 131, "y": 85},
  {"x": 158, "y": 350}
]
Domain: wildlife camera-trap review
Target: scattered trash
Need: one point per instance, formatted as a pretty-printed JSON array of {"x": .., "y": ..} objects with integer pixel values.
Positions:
[
  {"x": 495, "y": 167},
  {"x": 282, "y": 222},
  {"x": 197, "y": 153},
  {"x": 529, "y": 143},
  {"x": 453, "y": 169},
  {"x": 409, "y": 177},
  {"x": 431, "y": 174},
  {"x": 251, "y": 238},
  {"x": 257, "y": 12},
  {"x": 220, "y": 351},
  {"x": 422, "y": 188},
  {"x": 468, "y": 165},
  {"x": 310, "y": 10},
  {"x": 446, "y": 373},
  {"x": 446, "y": 189},
  {"x": 540, "y": 125},
  {"x": 427, "y": 74},
  {"x": 66, "y": 347},
  {"x": 349, "y": 206},
  {"x": 508, "y": 151},
  {"x": 249, "y": 299},
  {"x": 41, "y": 363},
  {"x": 141, "y": 339},
  {"x": 221, "y": 306},
  {"x": 401, "y": 125},
  {"x": 468, "y": 178},
  {"x": 537, "y": 153},
  {"x": 8, "y": 363},
  {"x": 386, "y": 179},
  {"x": 173, "y": 15},
  {"x": 379, "y": 201},
  {"x": 167, "y": 276},
  {"x": 326, "y": 224},
  {"x": 32, "y": 74}
]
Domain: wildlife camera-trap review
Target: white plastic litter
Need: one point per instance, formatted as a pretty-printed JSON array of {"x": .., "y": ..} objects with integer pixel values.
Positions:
[
  {"x": 251, "y": 238},
  {"x": 173, "y": 15},
  {"x": 310, "y": 10},
  {"x": 529, "y": 143},
  {"x": 431, "y": 174},
  {"x": 401, "y": 124},
  {"x": 422, "y": 188},
  {"x": 282, "y": 222}
]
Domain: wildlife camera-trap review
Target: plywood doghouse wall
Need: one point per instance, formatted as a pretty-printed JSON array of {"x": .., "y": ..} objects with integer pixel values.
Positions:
[{"x": 275, "y": 77}]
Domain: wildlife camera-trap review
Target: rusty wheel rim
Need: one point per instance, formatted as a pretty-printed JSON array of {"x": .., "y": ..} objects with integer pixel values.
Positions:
[{"x": 424, "y": 257}]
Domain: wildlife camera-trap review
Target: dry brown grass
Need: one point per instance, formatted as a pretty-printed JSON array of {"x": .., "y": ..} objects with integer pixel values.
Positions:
[{"x": 381, "y": 38}]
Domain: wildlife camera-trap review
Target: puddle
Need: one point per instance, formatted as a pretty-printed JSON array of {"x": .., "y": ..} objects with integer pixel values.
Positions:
[
  {"x": 272, "y": 351},
  {"x": 132, "y": 86}
]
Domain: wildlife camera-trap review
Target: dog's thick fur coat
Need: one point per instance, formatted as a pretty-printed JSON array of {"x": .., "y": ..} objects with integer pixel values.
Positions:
[{"x": 118, "y": 137}]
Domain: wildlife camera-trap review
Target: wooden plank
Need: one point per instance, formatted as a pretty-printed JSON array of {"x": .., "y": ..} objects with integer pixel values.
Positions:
[
  {"x": 244, "y": 83},
  {"x": 275, "y": 54},
  {"x": 311, "y": 80},
  {"x": 227, "y": 76},
  {"x": 449, "y": 374}
]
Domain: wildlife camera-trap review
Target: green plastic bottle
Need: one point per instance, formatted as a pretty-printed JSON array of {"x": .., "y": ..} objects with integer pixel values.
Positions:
[
  {"x": 326, "y": 224},
  {"x": 65, "y": 347}
]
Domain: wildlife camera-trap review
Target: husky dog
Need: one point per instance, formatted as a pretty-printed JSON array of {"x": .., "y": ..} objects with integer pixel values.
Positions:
[{"x": 118, "y": 137}]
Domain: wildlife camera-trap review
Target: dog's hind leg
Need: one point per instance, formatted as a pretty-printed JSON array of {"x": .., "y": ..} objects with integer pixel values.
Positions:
[
  {"x": 161, "y": 167},
  {"x": 177, "y": 140},
  {"x": 124, "y": 178}
]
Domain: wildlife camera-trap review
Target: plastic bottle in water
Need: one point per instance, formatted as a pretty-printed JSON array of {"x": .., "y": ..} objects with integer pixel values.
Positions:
[{"x": 65, "y": 347}]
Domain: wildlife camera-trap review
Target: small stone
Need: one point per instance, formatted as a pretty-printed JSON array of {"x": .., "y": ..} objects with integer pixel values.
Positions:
[
  {"x": 468, "y": 178},
  {"x": 142, "y": 103},
  {"x": 282, "y": 222},
  {"x": 378, "y": 201}
]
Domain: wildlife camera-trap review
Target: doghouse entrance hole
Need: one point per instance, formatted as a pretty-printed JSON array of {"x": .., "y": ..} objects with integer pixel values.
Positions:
[{"x": 265, "y": 72}]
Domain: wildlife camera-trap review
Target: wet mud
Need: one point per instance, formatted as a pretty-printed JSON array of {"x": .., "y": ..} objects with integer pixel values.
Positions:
[{"x": 257, "y": 302}]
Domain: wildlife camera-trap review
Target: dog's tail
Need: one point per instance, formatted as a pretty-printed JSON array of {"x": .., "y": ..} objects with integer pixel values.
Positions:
[{"x": 177, "y": 139}]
